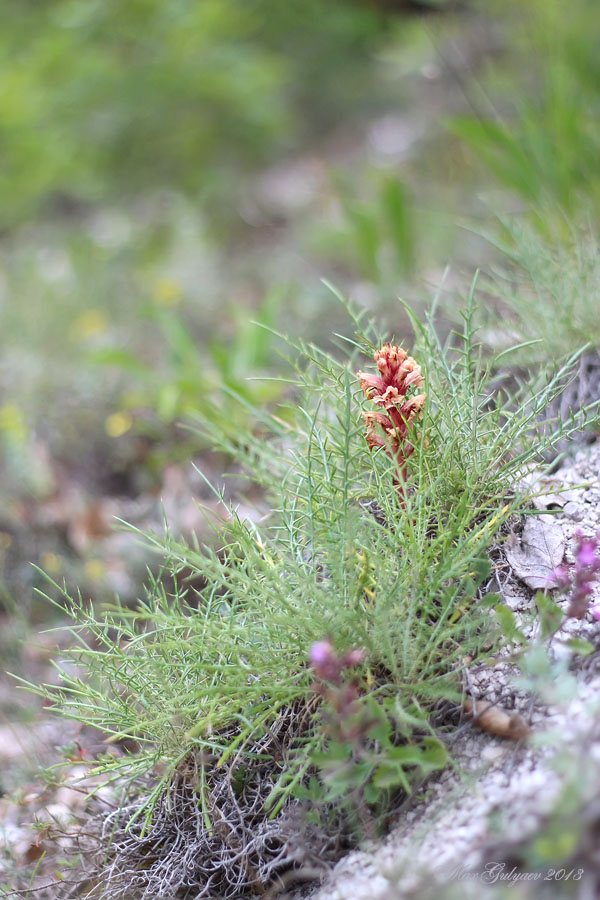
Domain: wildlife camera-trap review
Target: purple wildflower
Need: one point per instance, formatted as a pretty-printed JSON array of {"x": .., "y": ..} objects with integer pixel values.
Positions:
[
  {"x": 585, "y": 571},
  {"x": 559, "y": 578},
  {"x": 585, "y": 554},
  {"x": 325, "y": 661},
  {"x": 344, "y": 719},
  {"x": 321, "y": 653},
  {"x": 353, "y": 658},
  {"x": 328, "y": 665},
  {"x": 580, "y": 578}
]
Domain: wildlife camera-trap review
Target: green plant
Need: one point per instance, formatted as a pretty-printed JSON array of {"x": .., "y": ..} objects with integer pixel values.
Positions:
[
  {"x": 213, "y": 683},
  {"x": 543, "y": 289},
  {"x": 536, "y": 128},
  {"x": 111, "y": 100},
  {"x": 379, "y": 226},
  {"x": 192, "y": 372}
]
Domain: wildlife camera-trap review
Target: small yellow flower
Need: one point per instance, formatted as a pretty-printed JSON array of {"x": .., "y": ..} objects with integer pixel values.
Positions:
[
  {"x": 118, "y": 423},
  {"x": 167, "y": 292},
  {"x": 90, "y": 324},
  {"x": 13, "y": 424},
  {"x": 51, "y": 563},
  {"x": 94, "y": 569}
]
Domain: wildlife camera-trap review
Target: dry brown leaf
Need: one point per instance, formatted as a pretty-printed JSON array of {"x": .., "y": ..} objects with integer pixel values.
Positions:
[
  {"x": 538, "y": 551},
  {"x": 498, "y": 721}
]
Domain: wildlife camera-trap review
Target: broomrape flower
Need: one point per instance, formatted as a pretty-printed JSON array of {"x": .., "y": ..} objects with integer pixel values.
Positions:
[{"x": 390, "y": 426}]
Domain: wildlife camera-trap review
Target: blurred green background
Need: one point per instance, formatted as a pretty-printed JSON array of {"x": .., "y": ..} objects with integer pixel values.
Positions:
[{"x": 172, "y": 172}]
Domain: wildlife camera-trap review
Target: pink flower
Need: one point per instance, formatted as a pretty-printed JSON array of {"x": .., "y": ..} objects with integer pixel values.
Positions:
[
  {"x": 353, "y": 658},
  {"x": 559, "y": 578},
  {"x": 328, "y": 665},
  {"x": 321, "y": 652},
  {"x": 580, "y": 578},
  {"x": 586, "y": 551},
  {"x": 344, "y": 720},
  {"x": 388, "y": 390}
]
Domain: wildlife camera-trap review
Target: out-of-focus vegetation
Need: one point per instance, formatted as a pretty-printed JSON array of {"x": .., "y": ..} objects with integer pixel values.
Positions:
[
  {"x": 548, "y": 293},
  {"x": 172, "y": 171},
  {"x": 127, "y": 136},
  {"x": 536, "y": 124},
  {"x": 105, "y": 100},
  {"x": 165, "y": 167},
  {"x": 193, "y": 381},
  {"x": 130, "y": 135}
]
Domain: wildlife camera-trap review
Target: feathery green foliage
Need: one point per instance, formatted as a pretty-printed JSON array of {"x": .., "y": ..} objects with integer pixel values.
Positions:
[
  {"x": 111, "y": 99},
  {"x": 535, "y": 131},
  {"x": 330, "y": 552},
  {"x": 547, "y": 287}
]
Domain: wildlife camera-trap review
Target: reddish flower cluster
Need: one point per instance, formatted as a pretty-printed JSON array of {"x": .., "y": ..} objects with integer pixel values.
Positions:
[
  {"x": 344, "y": 719},
  {"x": 579, "y": 579},
  {"x": 328, "y": 665},
  {"x": 388, "y": 390}
]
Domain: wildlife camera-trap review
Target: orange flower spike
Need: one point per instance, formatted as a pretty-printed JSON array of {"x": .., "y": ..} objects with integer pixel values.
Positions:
[
  {"x": 389, "y": 359},
  {"x": 397, "y": 373},
  {"x": 374, "y": 439},
  {"x": 371, "y": 384}
]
